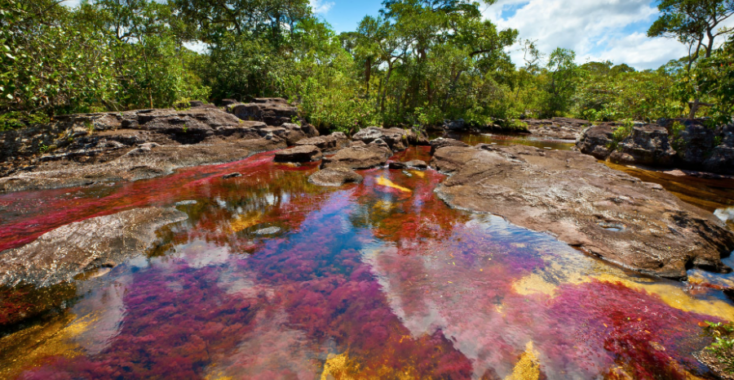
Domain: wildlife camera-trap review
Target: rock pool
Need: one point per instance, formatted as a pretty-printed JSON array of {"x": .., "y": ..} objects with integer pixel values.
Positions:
[{"x": 269, "y": 276}]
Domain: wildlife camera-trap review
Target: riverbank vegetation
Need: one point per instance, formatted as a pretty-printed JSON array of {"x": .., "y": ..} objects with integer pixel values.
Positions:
[{"x": 419, "y": 62}]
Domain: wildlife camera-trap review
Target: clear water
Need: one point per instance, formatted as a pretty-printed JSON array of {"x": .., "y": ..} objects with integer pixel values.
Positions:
[{"x": 377, "y": 280}]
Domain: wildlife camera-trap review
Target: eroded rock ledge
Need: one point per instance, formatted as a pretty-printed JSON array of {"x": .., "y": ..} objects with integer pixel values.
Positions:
[
  {"x": 585, "y": 204},
  {"x": 79, "y": 150},
  {"x": 67, "y": 251}
]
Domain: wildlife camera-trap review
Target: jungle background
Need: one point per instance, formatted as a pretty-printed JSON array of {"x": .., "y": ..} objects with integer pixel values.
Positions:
[{"x": 419, "y": 63}]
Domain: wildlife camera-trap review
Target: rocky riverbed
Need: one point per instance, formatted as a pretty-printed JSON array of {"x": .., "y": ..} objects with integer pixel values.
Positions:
[{"x": 432, "y": 243}]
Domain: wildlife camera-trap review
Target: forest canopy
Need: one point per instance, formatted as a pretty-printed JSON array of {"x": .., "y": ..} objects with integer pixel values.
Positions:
[{"x": 420, "y": 62}]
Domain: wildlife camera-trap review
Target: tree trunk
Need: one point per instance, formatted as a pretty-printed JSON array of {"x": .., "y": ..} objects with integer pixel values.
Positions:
[{"x": 368, "y": 74}]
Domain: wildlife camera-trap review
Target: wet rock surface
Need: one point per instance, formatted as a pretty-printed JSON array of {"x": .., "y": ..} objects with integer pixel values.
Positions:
[
  {"x": 558, "y": 128},
  {"x": 694, "y": 147},
  {"x": 396, "y": 139},
  {"x": 334, "y": 177},
  {"x": 80, "y": 150},
  {"x": 413, "y": 164},
  {"x": 646, "y": 145},
  {"x": 301, "y": 153},
  {"x": 442, "y": 142},
  {"x": 585, "y": 204},
  {"x": 273, "y": 111},
  {"x": 332, "y": 142},
  {"x": 67, "y": 251},
  {"x": 360, "y": 157}
]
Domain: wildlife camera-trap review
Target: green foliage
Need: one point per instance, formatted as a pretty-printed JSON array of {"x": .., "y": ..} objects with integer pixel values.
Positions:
[
  {"x": 419, "y": 63},
  {"x": 621, "y": 132},
  {"x": 723, "y": 345},
  {"x": 19, "y": 120}
]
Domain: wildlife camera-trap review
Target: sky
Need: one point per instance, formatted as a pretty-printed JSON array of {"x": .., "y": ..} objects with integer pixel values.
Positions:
[{"x": 597, "y": 30}]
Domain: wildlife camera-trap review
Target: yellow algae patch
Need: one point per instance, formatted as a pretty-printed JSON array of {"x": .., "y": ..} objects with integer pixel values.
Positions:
[
  {"x": 384, "y": 205},
  {"x": 418, "y": 173},
  {"x": 243, "y": 222},
  {"x": 340, "y": 367},
  {"x": 336, "y": 367},
  {"x": 382, "y": 181},
  {"x": 24, "y": 349},
  {"x": 533, "y": 284},
  {"x": 675, "y": 297},
  {"x": 528, "y": 367}
]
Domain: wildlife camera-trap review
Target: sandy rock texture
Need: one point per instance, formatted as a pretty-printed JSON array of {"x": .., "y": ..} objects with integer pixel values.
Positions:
[
  {"x": 607, "y": 213},
  {"x": 67, "y": 251}
]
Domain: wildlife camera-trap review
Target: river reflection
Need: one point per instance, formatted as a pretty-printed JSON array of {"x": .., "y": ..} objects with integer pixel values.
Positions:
[{"x": 377, "y": 280}]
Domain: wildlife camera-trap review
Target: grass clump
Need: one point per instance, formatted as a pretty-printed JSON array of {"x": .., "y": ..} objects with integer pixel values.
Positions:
[{"x": 722, "y": 348}]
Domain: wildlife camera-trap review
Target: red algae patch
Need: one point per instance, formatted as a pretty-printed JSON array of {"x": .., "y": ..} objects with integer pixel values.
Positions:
[{"x": 361, "y": 281}]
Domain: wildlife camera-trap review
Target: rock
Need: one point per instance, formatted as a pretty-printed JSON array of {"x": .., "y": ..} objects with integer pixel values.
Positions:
[
  {"x": 397, "y": 139},
  {"x": 231, "y": 175},
  {"x": 79, "y": 131},
  {"x": 694, "y": 144},
  {"x": 588, "y": 205},
  {"x": 334, "y": 177},
  {"x": 444, "y": 142},
  {"x": 414, "y": 164},
  {"x": 268, "y": 231},
  {"x": 67, "y": 251},
  {"x": 722, "y": 156},
  {"x": 356, "y": 144},
  {"x": 150, "y": 164},
  {"x": 558, "y": 128},
  {"x": 332, "y": 142},
  {"x": 597, "y": 141},
  {"x": 301, "y": 153},
  {"x": 646, "y": 145},
  {"x": 718, "y": 367},
  {"x": 358, "y": 158},
  {"x": 455, "y": 125},
  {"x": 273, "y": 111},
  {"x": 228, "y": 102},
  {"x": 186, "y": 203}
]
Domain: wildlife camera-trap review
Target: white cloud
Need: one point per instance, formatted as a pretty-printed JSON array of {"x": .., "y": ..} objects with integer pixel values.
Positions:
[
  {"x": 320, "y": 6},
  {"x": 595, "y": 29}
]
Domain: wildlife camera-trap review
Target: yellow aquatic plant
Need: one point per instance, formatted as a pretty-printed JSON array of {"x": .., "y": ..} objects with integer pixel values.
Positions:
[
  {"x": 382, "y": 181},
  {"x": 528, "y": 367}
]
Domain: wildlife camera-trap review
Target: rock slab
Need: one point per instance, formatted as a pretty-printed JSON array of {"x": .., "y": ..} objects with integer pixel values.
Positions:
[
  {"x": 585, "y": 204},
  {"x": 67, "y": 251}
]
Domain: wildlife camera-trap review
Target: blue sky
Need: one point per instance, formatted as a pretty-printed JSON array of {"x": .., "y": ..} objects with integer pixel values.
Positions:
[{"x": 345, "y": 15}]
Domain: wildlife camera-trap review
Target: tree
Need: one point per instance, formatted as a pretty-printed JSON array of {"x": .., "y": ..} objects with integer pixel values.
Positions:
[{"x": 694, "y": 23}]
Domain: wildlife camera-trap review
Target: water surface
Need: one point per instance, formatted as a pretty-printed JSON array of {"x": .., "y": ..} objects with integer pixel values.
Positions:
[{"x": 377, "y": 280}]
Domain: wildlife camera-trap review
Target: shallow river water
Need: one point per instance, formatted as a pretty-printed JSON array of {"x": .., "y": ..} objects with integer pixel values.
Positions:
[{"x": 272, "y": 277}]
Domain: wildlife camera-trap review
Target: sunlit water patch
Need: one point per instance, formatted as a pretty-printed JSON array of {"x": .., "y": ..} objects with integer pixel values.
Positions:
[{"x": 377, "y": 280}]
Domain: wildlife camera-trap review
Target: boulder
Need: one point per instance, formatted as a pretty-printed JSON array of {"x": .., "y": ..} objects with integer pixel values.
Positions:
[
  {"x": 332, "y": 142},
  {"x": 442, "y": 142},
  {"x": 597, "y": 141},
  {"x": 558, "y": 128},
  {"x": 396, "y": 138},
  {"x": 455, "y": 125},
  {"x": 646, "y": 145},
  {"x": 694, "y": 144},
  {"x": 334, "y": 177},
  {"x": 722, "y": 156},
  {"x": 301, "y": 153},
  {"x": 414, "y": 164},
  {"x": 272, "y": 111},
  {"x": 584, "y": 203},
  {"x": 106, "y": 241},
  {"x": 366, "y": 157}
]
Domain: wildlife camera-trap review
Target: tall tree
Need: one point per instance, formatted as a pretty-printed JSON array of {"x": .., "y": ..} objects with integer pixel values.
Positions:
[{"x": 697, "y": 24}]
